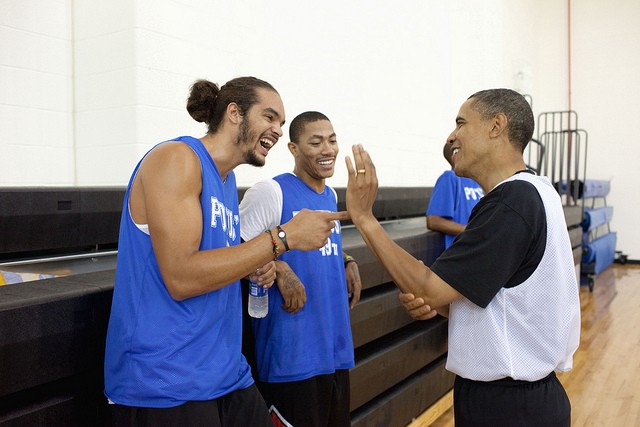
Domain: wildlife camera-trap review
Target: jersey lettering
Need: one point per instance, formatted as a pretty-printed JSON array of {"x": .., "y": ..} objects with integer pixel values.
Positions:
[
  {"x": 474, "y": 193},
  {"x": 224, "y": 217}
]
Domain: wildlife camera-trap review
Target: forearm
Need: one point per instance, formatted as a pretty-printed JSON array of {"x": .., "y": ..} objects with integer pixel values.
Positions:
[
  {"x": 444, "y": 225},
  {"x": 409, "y": 274},
  {"x": 293, "y": 292},
  {"x": 204, "y": 271},
  {"x": 443, "y": 310},
  {"x": 192, "y": 272},
  {"x": 284, "y": 273},
  {"x": 354, "y": 284}
]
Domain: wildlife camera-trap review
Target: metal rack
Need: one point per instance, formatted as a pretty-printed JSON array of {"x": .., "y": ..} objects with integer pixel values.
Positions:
[
  {"x": 562, "y": 156},
  {"x": 565, "y": 152}
]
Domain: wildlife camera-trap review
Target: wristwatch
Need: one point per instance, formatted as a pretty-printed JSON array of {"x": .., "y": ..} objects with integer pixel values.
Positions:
[{"x": 283, "y": 236}]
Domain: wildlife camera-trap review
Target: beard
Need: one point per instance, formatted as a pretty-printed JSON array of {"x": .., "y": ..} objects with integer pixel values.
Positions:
[{"x": 245, "y": 139}]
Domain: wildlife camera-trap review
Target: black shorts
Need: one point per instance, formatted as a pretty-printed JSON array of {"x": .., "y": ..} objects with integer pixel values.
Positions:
[
  {"x": 320, "y": 401},
  {"x": 240, "y": 408},
  {"x": 509, "y": 402}
]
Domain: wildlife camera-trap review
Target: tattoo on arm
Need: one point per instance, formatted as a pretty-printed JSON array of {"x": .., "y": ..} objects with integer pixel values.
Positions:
[{"x": 288, "y": 279}]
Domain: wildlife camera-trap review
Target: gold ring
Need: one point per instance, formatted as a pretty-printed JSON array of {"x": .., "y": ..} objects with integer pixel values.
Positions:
[{"x": 361, "y": 171}]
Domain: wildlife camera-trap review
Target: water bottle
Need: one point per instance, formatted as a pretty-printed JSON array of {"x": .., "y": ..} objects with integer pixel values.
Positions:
[{"x": 258, "y": 300}]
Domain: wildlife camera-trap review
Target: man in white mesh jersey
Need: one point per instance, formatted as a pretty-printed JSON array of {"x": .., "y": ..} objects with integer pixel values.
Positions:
[{"x": 508, "y": 282}]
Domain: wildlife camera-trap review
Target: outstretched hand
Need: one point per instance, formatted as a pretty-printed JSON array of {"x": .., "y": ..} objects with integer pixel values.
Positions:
[
  {"x": 362, "y": 187},
  {"x": 310, "y": 230}
]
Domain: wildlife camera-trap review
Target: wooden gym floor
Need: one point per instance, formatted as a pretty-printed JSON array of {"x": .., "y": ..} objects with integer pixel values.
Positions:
[{"x": 604, "y": 385}]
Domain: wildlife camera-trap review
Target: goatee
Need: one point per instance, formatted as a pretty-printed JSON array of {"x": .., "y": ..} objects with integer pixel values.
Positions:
[{"x": 244, "y": 138}]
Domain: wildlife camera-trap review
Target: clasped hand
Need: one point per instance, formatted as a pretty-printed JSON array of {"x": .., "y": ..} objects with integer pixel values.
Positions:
[{"x": 265, "y": 275}]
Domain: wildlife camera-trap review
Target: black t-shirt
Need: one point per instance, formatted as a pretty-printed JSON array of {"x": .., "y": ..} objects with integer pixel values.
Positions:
[{"x": 501, "y": 246}]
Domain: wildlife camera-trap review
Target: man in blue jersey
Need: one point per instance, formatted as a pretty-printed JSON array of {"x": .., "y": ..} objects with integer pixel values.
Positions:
[
  {"x": 303, "y": 347},
  {"x": 452, "y": 199},
  {"x": 173, "y": 350},
  {"x": 508, "y": 280}
]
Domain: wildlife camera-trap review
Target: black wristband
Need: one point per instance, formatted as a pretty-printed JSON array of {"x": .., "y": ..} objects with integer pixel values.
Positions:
[
  {"x": 283, "y": 236},
  {"x": 347, "y": 259}
]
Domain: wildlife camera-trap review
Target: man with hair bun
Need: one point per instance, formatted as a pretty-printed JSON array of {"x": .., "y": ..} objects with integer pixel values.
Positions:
[{"x": 173, "y": 350}]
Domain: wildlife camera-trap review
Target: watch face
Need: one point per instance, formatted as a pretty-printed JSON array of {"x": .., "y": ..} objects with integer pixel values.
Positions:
[{"x": 281, "y": 233}]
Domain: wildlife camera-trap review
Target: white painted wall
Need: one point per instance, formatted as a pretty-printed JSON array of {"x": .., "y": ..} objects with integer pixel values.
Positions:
[
  {"x": 86, "y": 87},
  {"x": 606, "y": 93},
  {"x": 36, "y": 91}
]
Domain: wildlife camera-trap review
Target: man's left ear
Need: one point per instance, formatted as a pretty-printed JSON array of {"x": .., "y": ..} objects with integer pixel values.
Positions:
[
  {"x": 499, "y": 125},
  {"x": 233, "y": 112}
]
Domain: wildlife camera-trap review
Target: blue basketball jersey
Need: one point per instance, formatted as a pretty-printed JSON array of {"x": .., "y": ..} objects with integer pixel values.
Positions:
[
  {"x": 161, "y": 352},
  {"x": 454, "y": 197},
  {"x": 317, "y": 340}
]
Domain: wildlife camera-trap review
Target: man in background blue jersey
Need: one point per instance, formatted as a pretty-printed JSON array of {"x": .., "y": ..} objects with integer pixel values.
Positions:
[
  {"x": 452, "y": 199},
  {"x": 303, "y": 347}
]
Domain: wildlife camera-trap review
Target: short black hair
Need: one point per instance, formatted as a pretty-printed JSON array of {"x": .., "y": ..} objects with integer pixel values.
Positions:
[
  {"x": 297, "y": 126},
  {"x": 514, "y": 106}
]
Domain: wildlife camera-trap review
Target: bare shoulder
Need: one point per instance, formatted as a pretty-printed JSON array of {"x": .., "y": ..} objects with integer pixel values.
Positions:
[
  {"x": 171, "y": 160},
  {"x": 170, "y": 170},
  {"x": 173, "y": 153},
  {"x": 170, "y": 173}
]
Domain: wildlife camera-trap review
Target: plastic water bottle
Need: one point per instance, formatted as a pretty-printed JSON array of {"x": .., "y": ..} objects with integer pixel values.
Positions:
[{"x": 258, "y": 300}]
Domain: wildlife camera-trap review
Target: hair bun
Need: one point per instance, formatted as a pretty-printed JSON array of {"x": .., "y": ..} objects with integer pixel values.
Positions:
[{"x": 201, "y": 101}]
